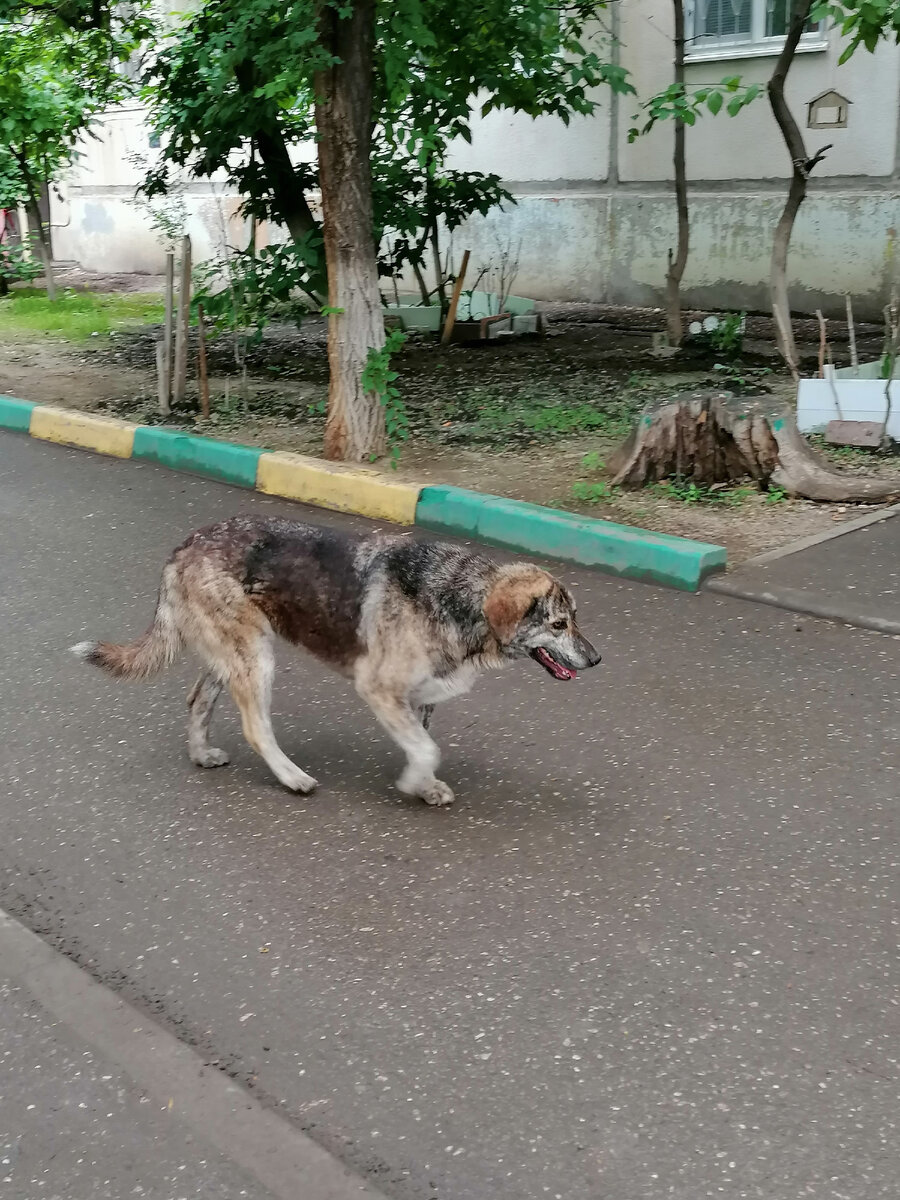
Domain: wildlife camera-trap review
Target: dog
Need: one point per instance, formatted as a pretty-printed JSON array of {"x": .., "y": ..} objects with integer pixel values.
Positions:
[{"x": 410, "y": 622}]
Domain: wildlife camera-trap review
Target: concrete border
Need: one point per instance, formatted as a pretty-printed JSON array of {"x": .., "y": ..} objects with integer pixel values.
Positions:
[
  {"x": 622, "y": 550},
  {"x": 105, "y": 435},
  {"x": 15, "y": 414},
  {"x": 816, "y": 539},
  {"x": 284, "y": 1161},
  {"x": 199, "y": 455},
  {"x": 806, "y": 603},
  {"x": 339, "y": 487}
]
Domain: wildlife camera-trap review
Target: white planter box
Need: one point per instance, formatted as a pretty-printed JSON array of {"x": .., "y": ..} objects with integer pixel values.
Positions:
[{"x": 861, "y": 399}]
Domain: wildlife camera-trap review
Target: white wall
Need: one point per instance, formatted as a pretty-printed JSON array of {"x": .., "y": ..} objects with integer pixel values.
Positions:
[{"x": 749, "y": 146}]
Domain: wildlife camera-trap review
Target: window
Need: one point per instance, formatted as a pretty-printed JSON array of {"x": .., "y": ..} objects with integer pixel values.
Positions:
[{"x": 736, "y": 28}]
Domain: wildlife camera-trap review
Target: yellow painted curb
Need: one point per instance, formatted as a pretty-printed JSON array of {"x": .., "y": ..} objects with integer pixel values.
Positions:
[
  {"x": 332, "y": 485},
  {"x": 106, "y": 435}
]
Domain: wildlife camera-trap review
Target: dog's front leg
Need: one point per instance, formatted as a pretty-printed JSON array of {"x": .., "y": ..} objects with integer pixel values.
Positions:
[{"x": 397, "y": 716}]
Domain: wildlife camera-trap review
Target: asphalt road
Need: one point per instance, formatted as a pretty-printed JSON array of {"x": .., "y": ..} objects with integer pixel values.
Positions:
[{"x": 652, "y": 952}]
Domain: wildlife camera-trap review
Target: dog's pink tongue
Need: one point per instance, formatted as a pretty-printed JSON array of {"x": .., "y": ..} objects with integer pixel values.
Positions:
[{"x": 558, "y": 670}]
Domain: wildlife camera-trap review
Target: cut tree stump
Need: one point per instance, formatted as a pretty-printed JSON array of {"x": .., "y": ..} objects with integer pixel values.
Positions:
[{"x": 714, "y": 437}]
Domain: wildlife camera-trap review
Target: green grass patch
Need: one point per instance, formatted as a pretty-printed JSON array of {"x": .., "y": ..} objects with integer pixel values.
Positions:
[
  {"x": 76, "y": 316},
  {"x": 526, "y": 415}
]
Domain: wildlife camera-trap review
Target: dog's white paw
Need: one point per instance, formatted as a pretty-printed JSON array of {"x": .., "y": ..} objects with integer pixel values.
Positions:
[
  {"x": 300, "y": 782},
  {"x": 437, "y": 793},
  {"x": 211, "y": 757}
]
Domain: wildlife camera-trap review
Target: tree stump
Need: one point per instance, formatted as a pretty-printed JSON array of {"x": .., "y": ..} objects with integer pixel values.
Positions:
[{"x": 714, "y": 437}]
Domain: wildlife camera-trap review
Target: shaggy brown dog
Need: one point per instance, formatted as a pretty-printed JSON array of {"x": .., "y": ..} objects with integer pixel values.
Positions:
[{"x": 410, "y": 622}]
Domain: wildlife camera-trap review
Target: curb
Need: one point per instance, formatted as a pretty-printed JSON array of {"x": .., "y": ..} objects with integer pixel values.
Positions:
[
  {"x": 333, "y": 485},
  {"x": 283, "y": 1160},
  {"x": 621, "y": 550},
  {"x": 807, "y": 604}
]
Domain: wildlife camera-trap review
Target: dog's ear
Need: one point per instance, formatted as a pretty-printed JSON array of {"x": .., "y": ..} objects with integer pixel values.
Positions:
[{"x": 511, "y": 597}]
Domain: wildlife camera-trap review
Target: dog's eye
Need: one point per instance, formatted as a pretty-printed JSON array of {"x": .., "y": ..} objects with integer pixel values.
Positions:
[{"x": 560, "y": 625}]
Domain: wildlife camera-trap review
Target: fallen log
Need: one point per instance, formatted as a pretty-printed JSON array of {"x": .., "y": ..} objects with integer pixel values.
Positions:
[{"x": 714, "y": 437}]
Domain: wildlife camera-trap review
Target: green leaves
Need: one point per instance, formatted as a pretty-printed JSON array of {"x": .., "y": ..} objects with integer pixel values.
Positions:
[
  {"x": 676, "y": 103},
  {"x": 53, "y": 83}
]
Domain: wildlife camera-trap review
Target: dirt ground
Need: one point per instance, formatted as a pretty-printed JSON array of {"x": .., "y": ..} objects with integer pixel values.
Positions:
[{"x": 514, "y": 418}]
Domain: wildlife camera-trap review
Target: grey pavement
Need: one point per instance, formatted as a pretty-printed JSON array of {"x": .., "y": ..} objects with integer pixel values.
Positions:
[
  {"x": 854, "y": 577},
  {"x": 650, "y": 953},
  {"x": 74, "y": 1126}
]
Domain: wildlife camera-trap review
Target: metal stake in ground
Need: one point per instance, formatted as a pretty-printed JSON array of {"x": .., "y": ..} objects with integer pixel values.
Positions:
[
  {"x": 165, "y": 397},
  {"x": 201, "y": 363},
  {"x": 182, "y": 323}
]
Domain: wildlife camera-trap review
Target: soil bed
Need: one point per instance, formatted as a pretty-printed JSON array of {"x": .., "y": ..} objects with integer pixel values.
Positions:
[{"x": 514, "y": 418}]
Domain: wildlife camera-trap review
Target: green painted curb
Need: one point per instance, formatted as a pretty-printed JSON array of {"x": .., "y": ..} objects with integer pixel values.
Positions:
[
  {"x": 15, "y": 414},
  {"x": 617, "y": 549},
  {"x": 202, "y": 456}
]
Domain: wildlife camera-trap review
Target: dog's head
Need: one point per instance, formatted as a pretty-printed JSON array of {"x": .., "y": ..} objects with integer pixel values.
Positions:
[{"x": 532, "y": 614}]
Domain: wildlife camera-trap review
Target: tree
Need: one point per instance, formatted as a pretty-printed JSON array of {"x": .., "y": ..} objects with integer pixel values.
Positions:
[
  {"x": 241, "y": 86},
  {"x": 866, "y": 23},
  {"x": 677, "y": 104},
  {"x": 355, "y": 427},
  {"x": 53, "y": 83}
]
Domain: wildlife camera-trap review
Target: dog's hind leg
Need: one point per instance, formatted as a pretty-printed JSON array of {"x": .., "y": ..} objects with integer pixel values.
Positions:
[
  {"x": 250, "y": 683},
  {"x": 426, "y": 712},
  {"x": 201, "y": 703}
]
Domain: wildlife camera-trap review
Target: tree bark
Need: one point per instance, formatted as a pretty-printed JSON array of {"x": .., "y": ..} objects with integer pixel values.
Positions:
[
  {"x": 355, "y": 426},
  {"x": 801, "y": 166},
  {"x": 714, "y": 438},
  {"x": 679, "y": 262}
]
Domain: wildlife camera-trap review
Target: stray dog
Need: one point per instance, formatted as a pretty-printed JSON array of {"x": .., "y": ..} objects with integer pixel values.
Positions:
[{"x": 410, "y": 622}]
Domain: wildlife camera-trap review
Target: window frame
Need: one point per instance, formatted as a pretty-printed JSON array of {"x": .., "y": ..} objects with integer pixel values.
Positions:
[{"x": 758, "y": 45}]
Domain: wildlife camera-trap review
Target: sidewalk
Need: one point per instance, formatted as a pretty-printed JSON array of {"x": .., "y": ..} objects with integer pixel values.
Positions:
[
  {"x": 851, "y": 575},
  {"x": 98, "y": 1103}
]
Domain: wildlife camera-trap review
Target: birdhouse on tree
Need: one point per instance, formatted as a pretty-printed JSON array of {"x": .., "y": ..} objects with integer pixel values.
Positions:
[{"x": 828, "y": 111}]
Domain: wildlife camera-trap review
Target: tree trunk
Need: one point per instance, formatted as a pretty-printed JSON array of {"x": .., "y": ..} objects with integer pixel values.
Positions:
[
  {"x": 355, "y": 427},
  {"x": 289, "y": 202},
  {"x": 714, "y": 438},
  {"x": 676, "y": 266},
  {"x": 43, "y": 248},
  {"x": 801, "y": 166}
]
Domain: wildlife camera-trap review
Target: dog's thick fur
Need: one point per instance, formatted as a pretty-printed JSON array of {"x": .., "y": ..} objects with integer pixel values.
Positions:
[{"x": 410, "y": 622}]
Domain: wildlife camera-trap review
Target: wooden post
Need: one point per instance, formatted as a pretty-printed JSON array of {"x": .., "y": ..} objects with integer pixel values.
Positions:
[
  {"x": 201, "y": 363},
  {"x": 454, "y": 300},
  {"x": 165, "y": 398},
  {"x": 162, "y": 380},
  {"x": 851, "y": 334},
  {"x": 182, "y": 322}
]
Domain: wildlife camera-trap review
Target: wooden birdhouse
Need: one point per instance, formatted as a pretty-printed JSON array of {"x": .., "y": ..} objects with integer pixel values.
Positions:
[{"x": 828, "y": 111}]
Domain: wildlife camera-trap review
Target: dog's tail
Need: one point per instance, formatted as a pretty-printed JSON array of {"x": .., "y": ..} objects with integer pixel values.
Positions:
[{"x": 151, "y": 652}]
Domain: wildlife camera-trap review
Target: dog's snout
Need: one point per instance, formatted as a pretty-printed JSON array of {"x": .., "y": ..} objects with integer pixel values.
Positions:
[{"x": 592, "y": 657}]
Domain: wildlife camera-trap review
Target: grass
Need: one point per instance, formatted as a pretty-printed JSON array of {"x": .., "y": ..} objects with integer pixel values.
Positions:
[
  {"x": 75, "y": 316},
  {"x": 522, "y": 414}
]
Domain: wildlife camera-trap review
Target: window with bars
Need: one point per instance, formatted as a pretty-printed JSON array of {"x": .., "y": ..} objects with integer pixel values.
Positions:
[{"x": 718, "y": 26}]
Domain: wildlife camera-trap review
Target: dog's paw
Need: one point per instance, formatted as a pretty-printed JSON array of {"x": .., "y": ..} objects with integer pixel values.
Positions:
[
  {"x": 437, "y": 793},
  {"x": 211, "y": 757},
  {"x": 301, "y": 782}
]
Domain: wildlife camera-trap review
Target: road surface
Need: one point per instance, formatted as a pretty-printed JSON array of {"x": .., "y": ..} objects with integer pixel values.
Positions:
[{"x": 650, "y": 953}]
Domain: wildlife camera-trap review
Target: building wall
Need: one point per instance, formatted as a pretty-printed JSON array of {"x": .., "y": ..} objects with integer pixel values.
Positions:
[{"x": 595, "y": 214}]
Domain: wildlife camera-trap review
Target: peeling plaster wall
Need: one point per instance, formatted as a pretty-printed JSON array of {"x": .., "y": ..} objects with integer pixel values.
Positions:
[{"x": 611, "y": 248}]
